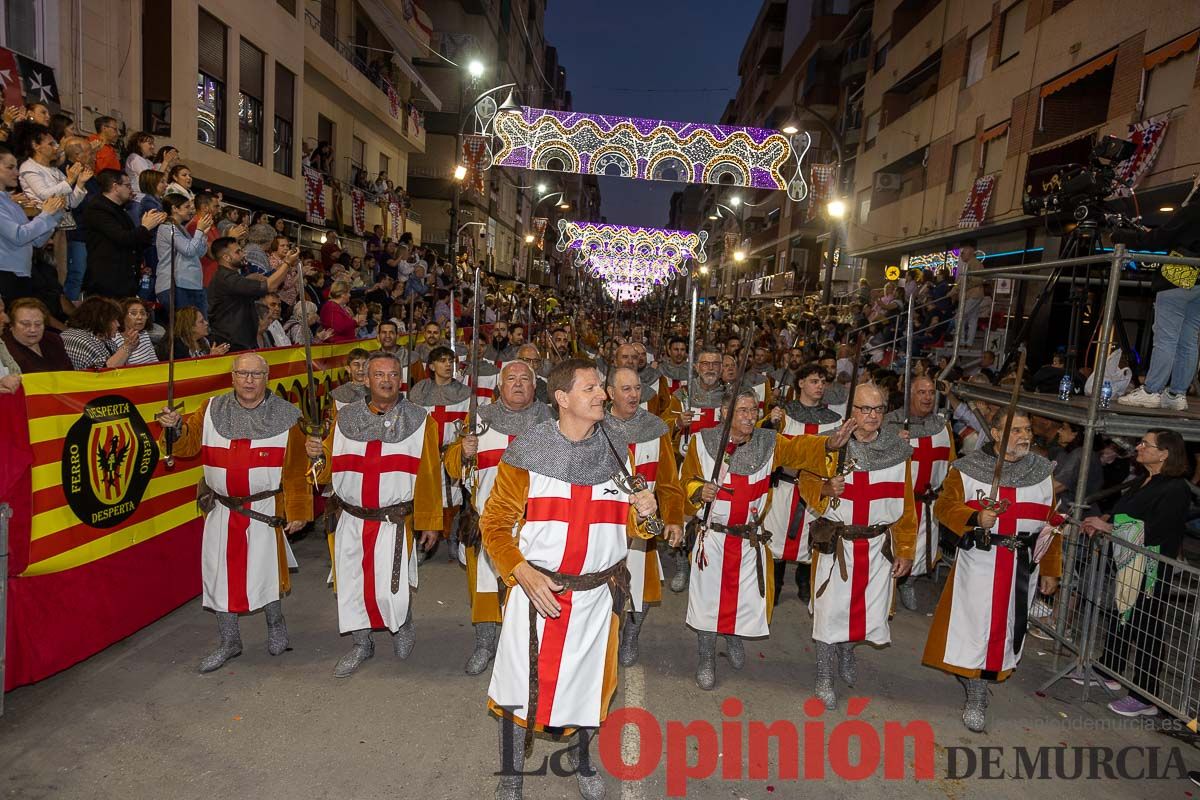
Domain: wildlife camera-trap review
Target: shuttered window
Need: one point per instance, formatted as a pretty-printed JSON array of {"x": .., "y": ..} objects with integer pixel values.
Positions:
[{"x": 212, "y": 46}]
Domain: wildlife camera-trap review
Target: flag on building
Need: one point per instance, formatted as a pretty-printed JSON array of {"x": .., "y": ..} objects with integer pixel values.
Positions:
[
  {"x": 37, "y": 81},
  {"x": 314, "y": 196},
  {"x": 539, "y": 230},
  {"x": 1147, "y": 137},
  {"x": 977, "y": 203},
  {"x": 474, "y": 149},
  {"x": 358, "y": 211},
  {"x": 396, "y": 218},
  {"x": 821, "y": 178},
  {"x": 10, "y": 79},
  {"x": 393, "y": 101}
]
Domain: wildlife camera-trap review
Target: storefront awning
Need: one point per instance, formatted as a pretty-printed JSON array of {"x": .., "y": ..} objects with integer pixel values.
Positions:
[{"x": 1080, "y": 72}]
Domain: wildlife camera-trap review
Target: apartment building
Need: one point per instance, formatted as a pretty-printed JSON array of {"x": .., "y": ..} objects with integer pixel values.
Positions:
[{"x": 959, "y": 91}]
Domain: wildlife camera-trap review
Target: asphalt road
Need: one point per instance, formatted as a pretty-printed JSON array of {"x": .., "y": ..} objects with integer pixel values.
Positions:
[{"x": 137, "y": 721}]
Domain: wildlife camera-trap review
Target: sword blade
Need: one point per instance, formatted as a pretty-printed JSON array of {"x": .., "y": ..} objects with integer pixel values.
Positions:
[{"x": 1006, "y": 433}]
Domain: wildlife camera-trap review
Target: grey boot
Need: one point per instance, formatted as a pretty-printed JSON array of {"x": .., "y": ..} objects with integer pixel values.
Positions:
[
  {"x": 591, "y": 785},
  {"x": 485, "y": 647},
  {"x": 231, "y": 642},
  {"x": 405, "y": 638},
  {"x": 679, "y": 581},
  {"x": 826, "y": 658},
  {"x": 975, "y": 711},
  {"x": 363, "y": 649},
  {"x": 706, "y": 669},
  {"x": 737, "y": 652},
  {"x": 512, "y": 761},
  {"x": 847, "y": 663},
  {"x": 908, "y": 593},
  {"x": 277, "y": 635},
  {"x": 627, "y": 654}
]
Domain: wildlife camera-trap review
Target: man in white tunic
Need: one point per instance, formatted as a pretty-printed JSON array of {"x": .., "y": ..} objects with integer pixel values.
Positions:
[
  {"x": 254, "y": 494},
  {"x": 555, "y": 668},
  {"x": 382, "y": 459}
]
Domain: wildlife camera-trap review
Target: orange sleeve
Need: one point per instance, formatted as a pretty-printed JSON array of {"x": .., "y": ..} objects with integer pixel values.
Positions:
[
  {"x": 805, "y": 453},
  {"x": 667, "y": 487},
  {"x": 809, "y": 487},
  {"x": 297, "y": 491},
  {"x": 953, "y": 449},
  {"x": 191, "y": 433},
  {"x": 951, "y": 507},
  {"x": 504, "y": 513},
  {"x": 690, "y": 478},
  {"x": 427, "y": 494},
  {"x": 904, "y": 531}
]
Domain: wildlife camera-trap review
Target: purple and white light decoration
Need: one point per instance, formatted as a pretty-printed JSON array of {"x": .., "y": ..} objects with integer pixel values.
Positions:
[
  {"x": 592, "y": 239},
  {"x": 650, "y": 149}
]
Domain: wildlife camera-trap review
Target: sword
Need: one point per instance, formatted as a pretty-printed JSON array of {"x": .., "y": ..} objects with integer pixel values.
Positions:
[
  {"x": 475, "y": 427},
  {"x": 171, "y": 434},
  {"x": 453, "y": 349},
  {"x": 848, "y": 465},
  {"x": 908, "y": 345},
  {"x": 632, "y": 483},
  {"x": 310, "y": 421},
  {"x": 687, "y": 390},
  {"x": 991, "y": 501}
]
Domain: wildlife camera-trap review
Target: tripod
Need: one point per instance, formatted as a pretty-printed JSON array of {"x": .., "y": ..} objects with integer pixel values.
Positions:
[{"x": 1083, "y": 240}]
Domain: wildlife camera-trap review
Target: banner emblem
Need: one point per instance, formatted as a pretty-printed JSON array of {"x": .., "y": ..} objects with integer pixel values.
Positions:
[{"x": 107, "y": 460}]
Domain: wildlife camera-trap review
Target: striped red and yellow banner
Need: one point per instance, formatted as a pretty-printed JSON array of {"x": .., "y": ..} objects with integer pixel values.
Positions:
[{"x": 99, "y": 485}]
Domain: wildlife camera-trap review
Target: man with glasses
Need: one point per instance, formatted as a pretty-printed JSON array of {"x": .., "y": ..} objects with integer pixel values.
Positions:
[
  {"x": 383, "y": 462},
  {"x": 108, "y": 133},
  {"x": 254, "y": 493},
  {"x": 864, "y": 539},
  {"x": 732, "y": 583},
  {"x": 1004, "y": 558},
  {"x": 530, "y": 354}
]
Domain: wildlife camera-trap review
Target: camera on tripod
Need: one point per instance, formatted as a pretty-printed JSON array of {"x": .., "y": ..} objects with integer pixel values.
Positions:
[{"x": 1077, "y": 188}]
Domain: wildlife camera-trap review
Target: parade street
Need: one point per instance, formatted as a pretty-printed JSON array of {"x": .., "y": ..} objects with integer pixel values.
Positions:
[{"x": 137, "y": 721}]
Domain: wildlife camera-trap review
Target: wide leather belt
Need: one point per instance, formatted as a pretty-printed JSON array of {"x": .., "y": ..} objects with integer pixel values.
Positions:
[
  {"x": 758, "y": 539},
  {"x": 397, "y": 514},
  {"x": 841, "y": 533},
  {"x": 207, "y": 498}
]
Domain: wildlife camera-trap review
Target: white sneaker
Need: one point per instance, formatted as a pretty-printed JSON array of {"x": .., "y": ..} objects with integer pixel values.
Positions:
[
  {"x": 1174, "y": 402},
  {"x": 1141, "y": 398}
]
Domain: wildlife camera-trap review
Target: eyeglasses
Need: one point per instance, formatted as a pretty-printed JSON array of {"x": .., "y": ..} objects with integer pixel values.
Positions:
[
  {"x": 1144, "y": 443},
  {"x": 249, "y": 375},
  {"x": 870, "y": 411}
]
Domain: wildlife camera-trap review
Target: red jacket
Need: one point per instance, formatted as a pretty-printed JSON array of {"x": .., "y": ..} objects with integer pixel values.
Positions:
[{"x": 338, "y": 318}]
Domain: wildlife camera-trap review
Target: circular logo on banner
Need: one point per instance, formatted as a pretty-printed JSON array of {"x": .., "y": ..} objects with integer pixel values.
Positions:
[
  {"x": 107, "y": 460},
  {"x": 891, "y": 273}
]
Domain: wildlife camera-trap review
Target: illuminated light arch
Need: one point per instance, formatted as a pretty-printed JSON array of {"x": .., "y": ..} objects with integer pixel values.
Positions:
[
  {"x": 625, "y": 161},
  {"x": 548, "y": 153},
  {"x": 592, "y": 239},
  {"x": 668, "y": 159}
]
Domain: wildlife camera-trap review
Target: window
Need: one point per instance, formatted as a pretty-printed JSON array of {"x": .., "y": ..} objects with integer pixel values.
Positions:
[
  {"x": 864, "y": 209},
  {"x": 977, "y": 56},
  {"x": 156, "y": 68},
  {"x": 285, "y": 104},
  {"x": 22, "y": 27},
  {"x": 1012, "y": 32},
  {"x": 872, "y": 128},
  {"x": 250, "y": 103},
  {"x": 994, "y": 153},
  {"x": 881, "y": 54},
  {"x": 358, "y": 152},
  {"x": 964, "y": 166},
  {"x": 210, "y": 82},
  {"x": 288, "y": 5},
  {"x": 385, "y": 165},
  {"x": 1169, "y": 85}
]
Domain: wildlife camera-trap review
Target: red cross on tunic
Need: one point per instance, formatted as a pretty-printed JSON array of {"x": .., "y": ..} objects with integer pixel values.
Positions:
[
  {"x": 486, "y": 459},
  {"x": 442, "y": 416},
  {"x": 705, "y": 418},
  {"x": 580, "y": 511},
  {"x": 861, "y": 491},
  {"x": 924, "y": 455},
  {"x": 746, "y": 495},
  {"x": 649, "y": 470},
  {"x": 371, "y": 466},
  {"x": 1005, "y": 565},
  {"x": 237, "y": 460}
]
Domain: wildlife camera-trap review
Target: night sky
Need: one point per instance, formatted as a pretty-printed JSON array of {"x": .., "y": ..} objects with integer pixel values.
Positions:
[{"x": 615, "y": 50}]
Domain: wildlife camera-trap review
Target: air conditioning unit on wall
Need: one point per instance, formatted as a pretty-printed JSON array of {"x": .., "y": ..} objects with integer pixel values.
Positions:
[{"x": 887, "y": 182}]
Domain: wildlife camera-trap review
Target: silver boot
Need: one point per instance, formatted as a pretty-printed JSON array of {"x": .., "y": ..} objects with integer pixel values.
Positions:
[
  {"x": 405, "y": 638},
  {"x": 826, "y": 658},
  {"x": 277, "y": 635},
  {"x": 591, "y": 785},
  {"x": 737, "y": 651},
  {"x": 683, "y": 570},
  {"x": 847, "y": 663},
  {"x": 908, "y": 593},
  {"x": 485, "y": 647},
  {"x": 975, "y": 711},
  {"x": 627, "y": 654},
  {"x": 512, "y": 761},
  {"x": 706, "y": 669},
  {"x": 231, "y": 642},
  {"x": 363, "y": 649}
]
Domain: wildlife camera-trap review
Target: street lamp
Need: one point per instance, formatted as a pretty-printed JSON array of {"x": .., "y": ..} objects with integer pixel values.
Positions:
[
  {"x": 739, "y": 255},
  {"x": 460, "y": 172},
  {"x": 541, "y": 187},
  {"x": 529, "y": 238},
  {"x": 836, "y": 209},
  {"x": 475, "y": 68},
  {"x": 790, "y": 129}
]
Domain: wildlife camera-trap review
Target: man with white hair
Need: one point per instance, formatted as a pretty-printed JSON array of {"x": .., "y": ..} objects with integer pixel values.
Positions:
[
  {"x": 254, "y": 493},
  {"x": 475, "y": 459}
]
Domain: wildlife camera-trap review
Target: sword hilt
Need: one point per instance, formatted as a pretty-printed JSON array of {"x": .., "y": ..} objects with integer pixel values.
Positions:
[
  {"x": 632, "y": 484},
  {"x": 987, "y": 503},
  {"x": 170, "y": 436},
  {"x": 315, "y": 464},
  {"x": 850, "y": 465}
]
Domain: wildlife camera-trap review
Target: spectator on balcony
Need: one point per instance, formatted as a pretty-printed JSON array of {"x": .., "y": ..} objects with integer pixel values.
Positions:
[
  {"x": 416, "y": 286},
  {"x": 179, "y": 181},
  {"x": 114, "y": 242},
  {"x": 173, "y": 237},
  {"x": 270, "y": 329},
  {"x": 282, "y": 250},
  {"x": 336, "y": 314},
  {"x": 304, "y": 314},
  {"x": 108, "y": 133},
  {"x": 134, "y": 319},
  {"x": 232, "y": 296},
  {"x": 91, "y": 338},
  {"x": 41, "y": 179},
  {"x": 152, "y": 184},
  {"x": 207, "y": 203},
  {"x": 141, "y": 150},
  {"x": 61, "y": 126},
  {"x": 38, "y": 113},
  {"x": 358, "y": 309},
  {"x": 322, "y": 158},
  {"x": 331, "y": 251},
  {"x": 29, "y": 343},
  {"x": 165, "y": 158},
  {"x": 19, "y": 234},
  {"x": 191, "y": 336},
  {"x": 258, "y": 239}
]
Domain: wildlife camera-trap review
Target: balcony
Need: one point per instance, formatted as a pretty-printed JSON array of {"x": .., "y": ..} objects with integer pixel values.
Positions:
[
  {"x": 347, "y": 72},
  {"x": 854, "y": 70}
]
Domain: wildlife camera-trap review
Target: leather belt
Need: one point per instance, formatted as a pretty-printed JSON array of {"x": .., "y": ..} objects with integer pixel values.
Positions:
[
  {"x": 1021, "y": 545},
  {"x": 758, "y": 539},
  {"x": 207, "y": 498},
  {"x": 843, "y": 533},
  {"x": 397, "y": 514},
  {"x": 926, "y": 499},
  {"x": 617, "y": 578}
]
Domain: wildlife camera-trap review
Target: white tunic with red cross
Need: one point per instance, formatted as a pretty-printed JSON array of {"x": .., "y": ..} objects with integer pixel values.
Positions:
[
  {"x": 575, "y": 530},
  {"x": 492, "y": 445},
  {"x": 486, "y": 390},
  {"x": 643, "y": 556},
  {"x": 786, "y": 503},
  {"x": 723, "y": 596},
  {"x": 930, "y": 463},
  {"x": 856, "y": 609},
  {"x": 445, "y": 417},
  {"x": 239, "y": 555},
  {"x": 373, "y": 475},
  {"x": 983, "y": 600}
]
